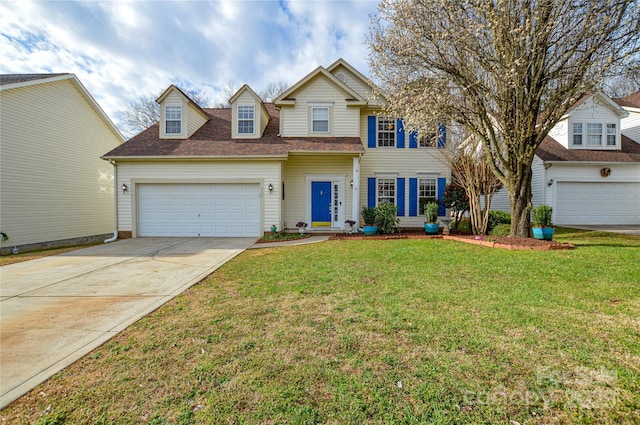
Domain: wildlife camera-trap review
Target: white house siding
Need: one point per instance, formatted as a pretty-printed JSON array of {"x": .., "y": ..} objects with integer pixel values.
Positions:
[
  {"x": 592, "y": 111},
  {"x": 560, "y": 132},
  {"x": 631, "y": 125},
  {"x": 297, "y": 167},
  {"x": 500, "y": 200},
  {"x": 295, "y": 120},
  {"x": 223, "y": 171},
  {"x": 54, "y": 184}
]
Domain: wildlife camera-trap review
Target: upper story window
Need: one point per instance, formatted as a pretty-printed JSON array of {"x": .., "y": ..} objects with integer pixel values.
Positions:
[
  {"x": 246, "y": 119},
  {"x": 320, "y": 119},
  {"x": 612, "y": 135},
  {"x": 386, "y": 132},
  {"x": 173, "y": 119},
  {"x": 387, "y": 191},
  {"x": 594, "y": 134},
  {"x": 577, "y": 133}
]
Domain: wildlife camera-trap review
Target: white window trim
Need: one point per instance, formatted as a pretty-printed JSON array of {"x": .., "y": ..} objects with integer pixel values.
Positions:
[
  {"x": 395, "y": 132},
  {"x": 395, "y": 189},
  {"x": 335, "y": 179},
  {"x": 603, "y": 135},
  {"x": 435, "y": 187},
  {"x": 238, "y": 120},
  {"x": 312, "y": 108},
  {"x": 181, "y": 120},
  {"x": 616, "y": 134}
]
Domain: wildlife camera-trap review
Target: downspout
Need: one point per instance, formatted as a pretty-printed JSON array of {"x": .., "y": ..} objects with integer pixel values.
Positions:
[{"x": 115, "y": 204}]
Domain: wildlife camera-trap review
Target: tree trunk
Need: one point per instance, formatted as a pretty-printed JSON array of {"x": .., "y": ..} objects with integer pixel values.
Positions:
[{"x": 519, "y": 189}]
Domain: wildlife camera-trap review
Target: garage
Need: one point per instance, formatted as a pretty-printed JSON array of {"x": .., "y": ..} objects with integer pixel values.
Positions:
[
  {"x": 597, "y": 203},
  {"x": 208, "y": 210}
]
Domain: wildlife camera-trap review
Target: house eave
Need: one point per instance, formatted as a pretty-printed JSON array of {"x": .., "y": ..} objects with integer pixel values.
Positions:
[{"x": 193, "y": 158}]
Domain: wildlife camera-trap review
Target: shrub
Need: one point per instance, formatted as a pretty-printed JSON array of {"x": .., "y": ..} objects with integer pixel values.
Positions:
[
  {"x": 496, "y": 218},
  {"x": 387, "y": 218},
  {"x": 369, "y": 216},
  {"x": 431, "y": 212},
  {"x": 502, "y": 229},
  {"x": 541, "y": 215},
  {"x": 464, "y": 226}
]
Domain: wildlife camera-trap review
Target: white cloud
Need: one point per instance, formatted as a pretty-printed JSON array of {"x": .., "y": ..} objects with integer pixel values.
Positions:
[{"x": 121, "y": 50}]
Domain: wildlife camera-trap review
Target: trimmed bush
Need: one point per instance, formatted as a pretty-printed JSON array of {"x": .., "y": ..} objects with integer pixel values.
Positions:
[
  {"x": 387, "y": 218},
  {"x": 497, "y": 217},
  {"x": 501, "y": 230}
]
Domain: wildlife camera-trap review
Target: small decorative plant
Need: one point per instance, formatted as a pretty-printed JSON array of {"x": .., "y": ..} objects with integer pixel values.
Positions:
[
  {"x": 301, "y": 225},
  {"x": 3, "y": 237},
  {"x": 541, "y": 216},
  {"x": 431, "y": 212},
  {"x": 350, "y": 222},
  {"x": 386, "y": 218},
  {"x": 369, "y": 216}
]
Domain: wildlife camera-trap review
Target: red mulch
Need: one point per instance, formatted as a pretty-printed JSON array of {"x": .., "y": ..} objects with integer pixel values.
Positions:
[{"x": 507, "y": 242}]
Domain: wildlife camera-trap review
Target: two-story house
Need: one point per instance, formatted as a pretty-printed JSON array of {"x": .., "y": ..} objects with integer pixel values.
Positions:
[
  {"x": 588, "y": 167},
  {"x": 317, "y": 154}
]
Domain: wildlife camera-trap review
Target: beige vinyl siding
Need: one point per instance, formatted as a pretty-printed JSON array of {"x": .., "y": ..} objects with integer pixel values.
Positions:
[
  {"x": 54, "y": 184},
  {"x": 263, "y": 172},
  {"x": 296, "y": 169},
  {"x": 400, "y": 163},
  {"x": 194, "y": 119},
  {"x": 343, "y": 121},
  {"x": 354, "y": 82}
]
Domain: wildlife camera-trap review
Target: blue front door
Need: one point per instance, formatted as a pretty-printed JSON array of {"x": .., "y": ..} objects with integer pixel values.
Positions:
[{"x": 321, "y": 204}]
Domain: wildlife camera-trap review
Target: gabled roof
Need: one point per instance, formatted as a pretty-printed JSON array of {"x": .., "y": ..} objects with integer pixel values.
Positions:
[
  {"x": 247, "y": 89},
  {"x": 186, "y": 98},
  {"x": 550, "y": 151},
  {"x": 631, "y": 101},
  {"x": 615, "y": 107},
  {"x": 14, "y": 81},
  {"x": 344, "y": 63},
  {"x": 213, "y": 140},
  {"x": 288, "y": 98}
]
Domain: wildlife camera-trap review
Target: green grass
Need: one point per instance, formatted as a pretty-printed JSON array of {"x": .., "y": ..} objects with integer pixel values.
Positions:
[{"x": 382, "y": 332}]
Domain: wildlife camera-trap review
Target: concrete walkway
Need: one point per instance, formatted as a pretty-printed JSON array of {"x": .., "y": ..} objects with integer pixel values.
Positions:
[
  {"x": 54, "y": 310},
  {"x": 628, "y": 229}
]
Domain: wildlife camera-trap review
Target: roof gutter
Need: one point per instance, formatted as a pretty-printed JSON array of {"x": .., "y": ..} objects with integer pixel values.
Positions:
[{"x": 115, "y": 203}]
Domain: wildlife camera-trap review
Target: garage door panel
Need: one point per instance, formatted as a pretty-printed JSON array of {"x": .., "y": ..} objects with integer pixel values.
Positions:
[
  {"x": 597, "y": 203},
  {"x": 198, "y": 210}
]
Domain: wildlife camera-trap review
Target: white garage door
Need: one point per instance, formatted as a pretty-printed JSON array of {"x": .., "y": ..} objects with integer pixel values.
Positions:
[
  {"x": 199, "y": 210},
  {"x": 598, "y": 203}
]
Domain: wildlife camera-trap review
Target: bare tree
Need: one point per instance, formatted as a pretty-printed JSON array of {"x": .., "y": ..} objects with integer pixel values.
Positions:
[
  {"x": 228, "y": 91},
  {"x": 145, "y": 112},
  {"x": 273, "y": 90},
  {"x": 506, "y": 70}
]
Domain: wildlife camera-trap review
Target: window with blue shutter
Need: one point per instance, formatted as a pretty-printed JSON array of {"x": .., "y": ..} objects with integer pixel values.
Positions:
[
  {"x": 372, "y": 140},
  {"x": 371, "y": 192},
  {"x": 400, "y": 196},
  {"x": 413, "y": 197},
  {"x": 399, "y": 134},
  {"x": 442, "y": 184},
  {"x": 442, "y": 136}
]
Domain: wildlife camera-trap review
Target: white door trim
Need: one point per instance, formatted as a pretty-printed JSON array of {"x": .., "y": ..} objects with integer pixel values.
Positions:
[{"x": 335, "y": 179}]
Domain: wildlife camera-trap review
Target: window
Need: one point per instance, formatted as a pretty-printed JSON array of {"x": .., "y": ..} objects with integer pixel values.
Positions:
[
  {"x": 245, "y": 119},
  {"x": 594, "y": 134},
  {"x": 577, "y": 133},
  {"x": 387, "y": 191},
  {"x": 612, "y": 135},
  {"x": 173, "y": 119},
  {"x": 320, "y": 119},
  {"x": 427, "y": 192},
  {"x": 386, "y": 132}
]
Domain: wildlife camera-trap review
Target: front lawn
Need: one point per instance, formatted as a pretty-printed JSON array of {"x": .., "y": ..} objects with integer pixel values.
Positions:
[{"x": 384, "y": 332}]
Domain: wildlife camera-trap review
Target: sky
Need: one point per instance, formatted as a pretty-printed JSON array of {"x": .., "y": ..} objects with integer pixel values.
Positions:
[{"x": 122, "y": 50}]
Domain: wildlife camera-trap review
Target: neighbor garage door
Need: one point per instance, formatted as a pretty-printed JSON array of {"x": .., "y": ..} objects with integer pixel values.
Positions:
[
  {"x": 198, "y": 210},
  {"x": 598, "y": 203}
]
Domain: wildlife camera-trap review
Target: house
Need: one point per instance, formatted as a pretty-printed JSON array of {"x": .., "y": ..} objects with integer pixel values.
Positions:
[
  {"x": 317, "y": 154},
  {"x": 588, "y": 167},
  {"x": 55, "y": 189}
]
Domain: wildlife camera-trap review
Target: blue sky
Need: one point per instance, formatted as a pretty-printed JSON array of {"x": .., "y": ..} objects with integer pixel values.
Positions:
[{"x": 121, "y": 50}]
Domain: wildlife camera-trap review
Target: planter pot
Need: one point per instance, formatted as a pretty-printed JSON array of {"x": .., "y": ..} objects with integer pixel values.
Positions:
[
  {"x": 273, "y": 229},
  {"x": 545, "y": 233},
  {"x": 370, "y": 230},
  {"x": 301, "y": 230},
  {"x": 431, "y": 228}
]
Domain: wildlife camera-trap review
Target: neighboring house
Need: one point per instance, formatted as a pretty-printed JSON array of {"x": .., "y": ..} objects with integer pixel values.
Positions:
[
  {"x": 588, "y": 167},
  {"x": 55, "y": 189},
  {"x": 317, "y": 154}
]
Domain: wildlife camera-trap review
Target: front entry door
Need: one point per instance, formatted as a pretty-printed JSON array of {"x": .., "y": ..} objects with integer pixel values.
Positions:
[{"x": 321, "y": 204}]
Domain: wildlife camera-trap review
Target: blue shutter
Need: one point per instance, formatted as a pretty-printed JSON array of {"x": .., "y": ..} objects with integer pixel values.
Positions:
[
  {"x": 413, "y": 197},
  {"x": 442, "y": 136},
  {"x": 371, "y": 131},
  {"x": 371, "y": 192},
  {"x": 400, "y": 196},
  {"x": 442, "y": 183},
  {"x": 413, "y": 140},
  {"x": 399, "y": 134}
]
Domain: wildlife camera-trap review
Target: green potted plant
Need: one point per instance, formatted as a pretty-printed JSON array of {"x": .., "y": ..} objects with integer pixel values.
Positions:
[
  {"x": 369, "y": 218},
  {"x": 431, "y": 226},
  {"x": 542, "y": 227}
]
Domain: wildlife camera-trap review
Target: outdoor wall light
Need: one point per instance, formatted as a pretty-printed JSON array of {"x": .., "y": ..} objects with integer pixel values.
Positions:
[
  {"x": 550, "y": 182},
  {"x": 351, "y": 183},
  {"x": 124, "y": 188},
  {"x": 270, "y": 188}
]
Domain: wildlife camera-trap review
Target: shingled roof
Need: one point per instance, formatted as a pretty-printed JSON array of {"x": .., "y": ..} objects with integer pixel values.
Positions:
[
  {"x": 22, "y": 78},
  {"x": 631, "y": 101},
  {"x": 213, "y": 140},
  {"x": 551, "y": 150}
]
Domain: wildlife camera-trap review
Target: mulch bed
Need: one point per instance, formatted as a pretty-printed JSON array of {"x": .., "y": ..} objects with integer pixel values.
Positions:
[{"x": 506, "y": 242}]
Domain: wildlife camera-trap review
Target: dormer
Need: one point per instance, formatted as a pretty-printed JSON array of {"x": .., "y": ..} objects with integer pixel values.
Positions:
[
  {"x": 180, "y": 117},
  {"x": 249, "y": 116},
  {"x": 593, "y": 123}
]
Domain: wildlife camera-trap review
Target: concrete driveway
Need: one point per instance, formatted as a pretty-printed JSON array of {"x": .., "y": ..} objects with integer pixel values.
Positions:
[{"x": 56, "y": 309}]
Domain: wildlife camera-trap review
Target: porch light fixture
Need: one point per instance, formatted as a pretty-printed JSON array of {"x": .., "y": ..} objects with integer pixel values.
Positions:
[
  {"x": 124, "y": 188},
  {"x": 270, "y": 188},
  {"x": 351, "y": 183},
  {"x": 550, "y": 182}
]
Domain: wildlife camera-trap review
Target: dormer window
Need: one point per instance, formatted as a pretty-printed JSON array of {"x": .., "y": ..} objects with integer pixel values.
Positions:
[
  {"x": 612, "y": 135},
  {"x": 577, "y": 133},
  {"x": 594, "y": 135},
  {"x": 246, "y": 119},
  {"x": 173, "y": 119}
]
